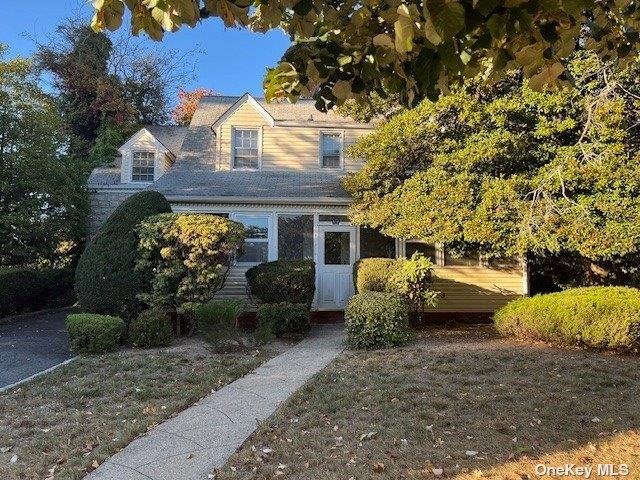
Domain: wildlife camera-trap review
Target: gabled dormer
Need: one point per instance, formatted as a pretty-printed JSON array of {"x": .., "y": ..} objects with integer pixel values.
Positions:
[{"x": 149, "y": 153}]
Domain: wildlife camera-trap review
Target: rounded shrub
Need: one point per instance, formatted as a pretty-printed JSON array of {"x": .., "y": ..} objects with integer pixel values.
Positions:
[
  {"x": 285, "y": 317},
  {"x": 376, "y": 320},
  {"x": 291, "y": 281},
  {"x": 372, "y": 274},
  {"x": 151, "y": 329},
  {"x": 90, "y": 333},
  {"x": 591, "y": 317},
  {"x": 106, "y": 279}
]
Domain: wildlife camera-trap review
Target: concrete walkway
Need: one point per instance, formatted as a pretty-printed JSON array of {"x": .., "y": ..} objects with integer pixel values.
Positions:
[{"x": 202, "y": 438}]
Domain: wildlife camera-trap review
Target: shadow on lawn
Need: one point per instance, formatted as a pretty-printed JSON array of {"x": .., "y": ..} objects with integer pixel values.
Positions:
[{"x": 435, "y": 402}]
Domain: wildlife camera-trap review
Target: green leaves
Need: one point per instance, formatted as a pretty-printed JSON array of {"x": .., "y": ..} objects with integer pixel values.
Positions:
[
  {"x": 404, "y": 30},
  {"x": 385, "y": 38},
  {"x": 510, "y": 169}
]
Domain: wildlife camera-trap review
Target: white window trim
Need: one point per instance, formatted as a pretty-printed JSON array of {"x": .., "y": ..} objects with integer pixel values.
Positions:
[
  {"x": 232, "y": 159},
  {"x": 155, "y": 161},
  {"x": 321, "y": 133},
  {"x": 270, "y": 233}
]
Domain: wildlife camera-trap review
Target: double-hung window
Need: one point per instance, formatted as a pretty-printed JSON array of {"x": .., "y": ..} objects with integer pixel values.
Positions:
[
  {"x": 256, "y": 240},
  {"x": 331, "y": 150},
  {"x": 143, "y": 166},
  {"x": 246, "y": 151}
]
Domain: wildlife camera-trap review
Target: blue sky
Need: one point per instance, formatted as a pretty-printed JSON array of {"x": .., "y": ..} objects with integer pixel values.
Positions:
[{"x": 231, "y": 61}]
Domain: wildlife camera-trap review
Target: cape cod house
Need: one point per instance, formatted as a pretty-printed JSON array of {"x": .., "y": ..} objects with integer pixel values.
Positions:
[{"x": 276, "y": 168}]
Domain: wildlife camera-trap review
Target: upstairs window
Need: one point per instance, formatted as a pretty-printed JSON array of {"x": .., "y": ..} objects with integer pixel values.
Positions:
[
  {"x": 142, "y": 167},
  {"x": 331, "y": 150},
  {"x": 246, "y": 154}
]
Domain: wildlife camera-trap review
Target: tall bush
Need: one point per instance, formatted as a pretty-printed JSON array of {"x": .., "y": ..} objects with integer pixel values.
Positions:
[
  {"x": 593, "y": 317},
  {"x": 410, "y": 278},
  {"x": 187, "y": 256},
  {"x": 291, "y": 281},
  {"x": 106, "y": 279}
]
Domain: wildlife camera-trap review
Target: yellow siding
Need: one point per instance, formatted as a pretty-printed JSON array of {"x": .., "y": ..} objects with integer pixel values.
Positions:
[
  {"x": 463, "y": 289},
  {"x": 284, "y": 147},
  {"x": 476, "y": 289}
]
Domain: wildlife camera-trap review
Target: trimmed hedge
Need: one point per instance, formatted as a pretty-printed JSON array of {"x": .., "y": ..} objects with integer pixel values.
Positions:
[
  {"x": 285, "y": 317},
  {"x": 591, "y": 317},
  {"x": 372, "y": 274},
  {"x": 151, "y": 329},
  {"x": 106, "y": 279},
  {"x": 27, "y": 289},
  {"x": 90, "y": 333},
  {"x": 292, "y": 281},
  {"x": 376, "y": 320}
]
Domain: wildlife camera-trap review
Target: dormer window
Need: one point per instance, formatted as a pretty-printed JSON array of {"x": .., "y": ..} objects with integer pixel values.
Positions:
[
  {"x": 331, "y": 150},
  {"x": 143, "y": 167},
  {"x": 246, "y": 150}
]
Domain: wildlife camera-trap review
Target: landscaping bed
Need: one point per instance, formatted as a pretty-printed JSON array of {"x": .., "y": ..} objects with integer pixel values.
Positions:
[
  {"x": 66, "y": 423},
  {"x": 456, "y": 403}
]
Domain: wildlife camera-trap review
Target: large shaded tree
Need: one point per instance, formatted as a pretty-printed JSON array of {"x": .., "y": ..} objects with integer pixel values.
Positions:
[
  {"x": 510, "y": 170},
  {"x": 42, "y": 202},
  {"x": 108, "y": 86},
  {"x": 413, "y": 48}
]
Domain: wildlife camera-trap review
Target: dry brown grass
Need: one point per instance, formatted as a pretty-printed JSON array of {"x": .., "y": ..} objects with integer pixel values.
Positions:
[
  {"x": 65, "y": 423},
  {"x": 403, "y": 413}
]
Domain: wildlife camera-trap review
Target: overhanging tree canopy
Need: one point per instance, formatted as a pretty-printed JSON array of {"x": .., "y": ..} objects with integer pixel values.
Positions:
[
  {"x": 347, "y": 48},
  {"x": 511, "y": 170}
]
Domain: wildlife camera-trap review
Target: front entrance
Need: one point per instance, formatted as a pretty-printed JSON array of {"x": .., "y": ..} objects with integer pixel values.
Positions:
[{"x": 336, "y": 255}]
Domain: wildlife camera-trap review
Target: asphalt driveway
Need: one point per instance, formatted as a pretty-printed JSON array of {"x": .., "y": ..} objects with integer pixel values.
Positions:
[{"x": 32, "y": 343}]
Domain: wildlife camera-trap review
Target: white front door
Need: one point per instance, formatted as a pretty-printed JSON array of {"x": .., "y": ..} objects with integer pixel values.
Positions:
[{"x": 337, "y": 253}]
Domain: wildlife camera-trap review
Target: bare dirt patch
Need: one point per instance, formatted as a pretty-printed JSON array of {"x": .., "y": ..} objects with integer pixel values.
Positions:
[{"x": 457, "y": 403}]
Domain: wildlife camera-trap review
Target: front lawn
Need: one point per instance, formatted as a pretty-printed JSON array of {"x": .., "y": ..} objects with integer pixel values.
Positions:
[
  {"x": 466, "y": 401},
  {"x": 66, "y": 423}
]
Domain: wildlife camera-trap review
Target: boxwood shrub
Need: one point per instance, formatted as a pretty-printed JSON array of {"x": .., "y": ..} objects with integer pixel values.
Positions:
[
  {"x": 372, "y": 274},
  {"x": 27, "y": 289},
  {"x": 90, "y": 333},
  {"x": 285, "y": 317},
  {"x": 591, "y": 317},
  {"x": 291, "y": 281},
  {"x": 151, "y": 329},
  {"x": 376, "y": 320},
  {"x": 106, "y": 279}
]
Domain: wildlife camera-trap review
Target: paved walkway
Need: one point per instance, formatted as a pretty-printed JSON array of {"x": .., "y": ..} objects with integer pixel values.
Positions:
[
  {"x": 32, "y": 343},
  {"x": 201, "y": 438}
]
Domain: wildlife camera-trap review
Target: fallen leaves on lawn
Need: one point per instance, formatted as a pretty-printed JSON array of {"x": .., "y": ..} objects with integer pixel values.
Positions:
[{"x": 367, "y": 436}]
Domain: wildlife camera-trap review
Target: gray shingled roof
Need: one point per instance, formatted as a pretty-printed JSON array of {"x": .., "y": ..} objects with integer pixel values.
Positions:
[
  {"x": 104, "y": 176},
  {"x": 171, "y": 136},
  {"x": 204, "y": 182},
  {"x": 193, "y": 174},
  {"x": 211, "y": 108}
]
